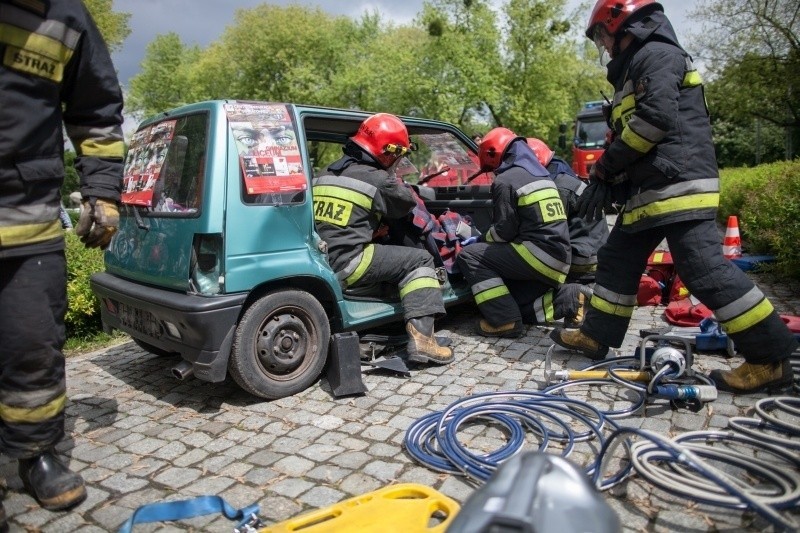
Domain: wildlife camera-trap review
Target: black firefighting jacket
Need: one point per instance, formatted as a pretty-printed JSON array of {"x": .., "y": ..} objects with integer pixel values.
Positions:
[
  {"x": 351, "y": 199},
  {"x": 663, "y": 138},
  {"x": 55, "y": 69},
  {"x": 528, "y": 212}
]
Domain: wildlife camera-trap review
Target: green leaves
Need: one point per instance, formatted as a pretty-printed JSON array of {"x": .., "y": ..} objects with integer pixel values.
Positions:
[{"x": 458, "y": 61}]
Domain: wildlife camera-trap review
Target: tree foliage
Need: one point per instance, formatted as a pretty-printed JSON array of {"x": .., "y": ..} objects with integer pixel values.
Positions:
[
  {"x": 113, "y": 25},
  {"x": 752, "y": 49},
  {"x": 458, "y": 61}
]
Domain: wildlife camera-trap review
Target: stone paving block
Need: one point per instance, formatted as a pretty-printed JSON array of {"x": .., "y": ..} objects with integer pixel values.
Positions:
[
  {"x": 360, "y": 483},
  {"x": 175, "y": 478},
  {"x": 320, "y": 497},
  {"x": 293, "y": 466}
]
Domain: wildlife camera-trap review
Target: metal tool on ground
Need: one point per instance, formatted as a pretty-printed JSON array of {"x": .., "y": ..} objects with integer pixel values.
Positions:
[{"x": 708, "y": 336}]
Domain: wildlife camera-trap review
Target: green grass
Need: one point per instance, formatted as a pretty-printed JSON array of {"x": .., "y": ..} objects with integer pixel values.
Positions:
[{"x": 91, "y": 343}]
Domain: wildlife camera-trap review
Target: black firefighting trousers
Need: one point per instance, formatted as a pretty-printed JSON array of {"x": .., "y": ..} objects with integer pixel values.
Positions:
[
  {"x": 33, "y": 302},
  {"x": 409, "y": 270},
  {"x": 505, "y": 287},
  {"x": 744, "y": 312}
]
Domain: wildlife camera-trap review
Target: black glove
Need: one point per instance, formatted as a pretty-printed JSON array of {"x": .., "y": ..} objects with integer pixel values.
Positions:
[{"x": 595, "y": 199}]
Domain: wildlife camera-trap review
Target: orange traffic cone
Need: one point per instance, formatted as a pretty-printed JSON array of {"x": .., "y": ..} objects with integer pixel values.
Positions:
[{"x": 732, "y": 244}]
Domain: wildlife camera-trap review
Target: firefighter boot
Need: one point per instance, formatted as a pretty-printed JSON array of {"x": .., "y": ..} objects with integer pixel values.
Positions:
[
  {"x": 574, "y": 339},
  {"x": 750, "y": 378},
  {"x": 511, "y": 330},
  {"x": 423, "y": 346},
  {"x": 50, "y": 482}
]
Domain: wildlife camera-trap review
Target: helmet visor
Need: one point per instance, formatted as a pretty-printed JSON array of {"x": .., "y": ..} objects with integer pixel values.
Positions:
[{"x": 604, "y": 42}]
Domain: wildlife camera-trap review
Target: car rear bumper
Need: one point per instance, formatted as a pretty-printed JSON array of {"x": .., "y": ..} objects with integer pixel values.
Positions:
[{"x": 200, "y": 328}]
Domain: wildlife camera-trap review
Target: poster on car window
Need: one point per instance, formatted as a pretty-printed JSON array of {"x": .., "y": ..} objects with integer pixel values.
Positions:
[
  {"x": 145, "y": 161},
  {"x": 267, "y": 144}
]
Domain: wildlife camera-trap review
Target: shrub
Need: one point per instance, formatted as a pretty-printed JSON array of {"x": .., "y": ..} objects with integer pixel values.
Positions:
[
  {"x": 83, "y": 313},
  {"x": 766, "y": 200}
]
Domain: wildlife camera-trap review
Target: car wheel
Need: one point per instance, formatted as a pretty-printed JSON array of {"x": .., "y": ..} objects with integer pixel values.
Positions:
[
  {"x": 280, "y": 345},
  {"x": 154, "y": 349}
]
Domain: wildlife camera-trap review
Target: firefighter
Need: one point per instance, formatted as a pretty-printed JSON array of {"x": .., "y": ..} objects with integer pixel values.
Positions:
[
  {"x": 585, "y": 236},
  {"x": 661, "y": 164},
  {"x": 516, "y": 269},
  {"x": 56, "y": 70},
  {"x": 351, "y": 199}
]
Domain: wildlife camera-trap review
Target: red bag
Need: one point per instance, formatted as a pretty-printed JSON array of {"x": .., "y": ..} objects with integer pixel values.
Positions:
[
  {"x": 650, "y": 291},
  {"x": 677, "y": 290},
  {"x": 684, "y": 313}
]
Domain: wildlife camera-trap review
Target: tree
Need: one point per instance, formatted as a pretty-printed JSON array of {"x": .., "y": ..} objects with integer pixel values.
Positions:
[
  {"x": 113, "y": 25},
  {"x": 165, "y": 77},
  {"x": 752, "y": 48}
]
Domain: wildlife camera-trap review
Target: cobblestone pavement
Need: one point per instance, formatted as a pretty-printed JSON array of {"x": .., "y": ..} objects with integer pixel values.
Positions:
[{"x": 138, "y": 435}]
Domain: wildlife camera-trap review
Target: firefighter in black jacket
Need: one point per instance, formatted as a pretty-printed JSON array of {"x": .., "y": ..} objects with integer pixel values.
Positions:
[
  {"x": 56, "y": 69},
  {"x": 661, "y": 164},
  {"x": 585, "y": 236},
  {"x": 517, "y": 268},
  {"x": 351, "y": 199}
]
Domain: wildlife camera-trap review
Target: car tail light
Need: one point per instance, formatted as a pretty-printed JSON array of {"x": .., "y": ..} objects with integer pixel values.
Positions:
[{"x": 206, "y": 275}]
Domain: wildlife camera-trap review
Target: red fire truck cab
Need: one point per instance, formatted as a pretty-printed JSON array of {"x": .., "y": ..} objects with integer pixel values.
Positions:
[{"x": 589, "y": 137}]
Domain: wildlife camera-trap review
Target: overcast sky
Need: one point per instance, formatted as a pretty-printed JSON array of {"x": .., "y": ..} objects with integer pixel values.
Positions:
[{"x": 198, "y": 22}]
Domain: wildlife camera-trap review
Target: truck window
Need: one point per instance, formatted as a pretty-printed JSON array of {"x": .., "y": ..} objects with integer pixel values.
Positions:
[
  {"x": 165, "y": 166},
  {"x": 591, "y": 134}
]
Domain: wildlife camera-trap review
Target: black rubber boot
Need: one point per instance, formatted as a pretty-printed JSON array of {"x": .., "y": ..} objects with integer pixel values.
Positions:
[
  {"x": 51, "y": 483},
  {"x": 423, "y": 347},
  {"x": 3, "y": 517}
]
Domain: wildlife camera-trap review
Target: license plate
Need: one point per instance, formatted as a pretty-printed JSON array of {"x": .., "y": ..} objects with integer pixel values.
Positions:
[{"x": 139, "y": 320}]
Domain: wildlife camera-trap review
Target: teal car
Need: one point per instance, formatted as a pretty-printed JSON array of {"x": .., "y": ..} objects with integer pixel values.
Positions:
[{"x": 216, "y": 258}]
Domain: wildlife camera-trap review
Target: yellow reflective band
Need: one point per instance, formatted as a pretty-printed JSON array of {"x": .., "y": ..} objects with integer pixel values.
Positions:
[
  {"x": 34, "y": 53},
  {"x": 491, "y": 294},
  {"x": 341, "y": 193},
  {"x": 332, "y": 211},
  {"x": 490, "y": 235},
  {"x": 48, "y": 411},
  {"x": 672, "y": 205},
  {"x": 538, "y": 265},
  {"x": 636, "y": 141},
  {"x": 417, "y": 284},
  {"x": 101, "y": 148},
  {"x": 30, "y": 233},
  {"x": 604, "y": 306},
  {"x": 750, "y": 318},
  {"x": 363, "y": 265},
  {"x": 692, "y": 79},
  {"x": 547, "y": 306},
  {"x": 625, "y": 107},
  {"x": 537, "y": 196}
]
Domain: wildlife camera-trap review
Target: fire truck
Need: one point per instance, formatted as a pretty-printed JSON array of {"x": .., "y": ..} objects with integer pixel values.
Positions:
[{"x": 589, "y": 137}]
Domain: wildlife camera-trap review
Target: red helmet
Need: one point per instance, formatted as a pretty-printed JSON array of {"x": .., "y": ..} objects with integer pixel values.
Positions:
[
  {"x": 543, "y": 152},
  {"x": 493, "y": 146},
  {"x": 612, "y": 14},
  {"x": 385, "y": 137}
]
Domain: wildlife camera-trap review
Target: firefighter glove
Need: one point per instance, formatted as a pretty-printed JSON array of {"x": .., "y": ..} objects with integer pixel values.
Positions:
[
  {"x": 98, "y": 222},
  {"x": 595, "y": 199}
]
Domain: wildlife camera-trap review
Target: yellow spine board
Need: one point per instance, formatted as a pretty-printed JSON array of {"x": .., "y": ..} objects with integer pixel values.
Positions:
[{"x": 403, "y": 508}]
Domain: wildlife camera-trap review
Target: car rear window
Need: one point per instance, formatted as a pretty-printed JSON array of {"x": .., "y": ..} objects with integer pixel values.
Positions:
[{"x": 165, "y": 166}]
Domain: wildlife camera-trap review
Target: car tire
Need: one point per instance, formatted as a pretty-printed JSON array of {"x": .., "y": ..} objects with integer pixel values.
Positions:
[
  {"x": 154, "y": 349},
  {"x": 280, "y": 345}
]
